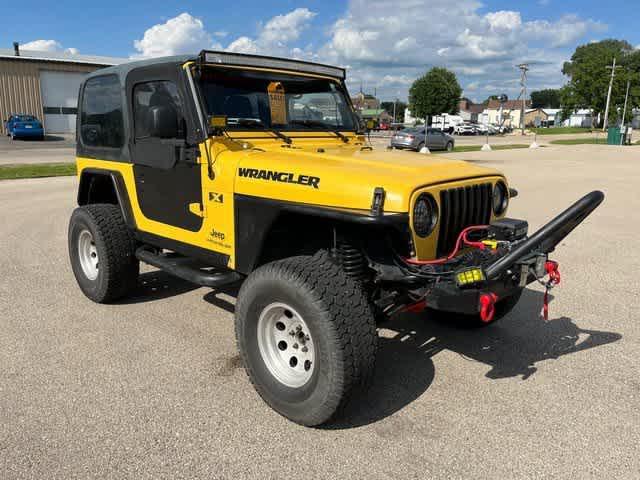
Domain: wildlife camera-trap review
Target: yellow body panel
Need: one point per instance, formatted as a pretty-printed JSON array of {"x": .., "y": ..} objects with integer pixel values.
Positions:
[
  {"x": 348, "y": 175},
  {"x": 217, "y": 231}
]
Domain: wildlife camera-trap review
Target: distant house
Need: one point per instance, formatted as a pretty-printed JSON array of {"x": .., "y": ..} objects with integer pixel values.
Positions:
[
  {"x": 635, "y": 118},
  {"x": 507, "y": 113},
  {"x": 579, "y": 118},
  {"x": 469, "y": 111},
  {"x": 410, "y": 120},
  {"x": 364, "y": 101},
  {"x": 378, "y": 115},
  {"x": 536, "y": 117}
]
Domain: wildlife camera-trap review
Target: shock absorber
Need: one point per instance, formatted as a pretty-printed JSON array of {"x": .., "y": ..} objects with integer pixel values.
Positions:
[{"x": 352, "y": 260}]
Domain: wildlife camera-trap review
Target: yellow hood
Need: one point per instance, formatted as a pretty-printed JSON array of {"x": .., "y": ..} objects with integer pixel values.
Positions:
[{"x": 346, "y": 174}]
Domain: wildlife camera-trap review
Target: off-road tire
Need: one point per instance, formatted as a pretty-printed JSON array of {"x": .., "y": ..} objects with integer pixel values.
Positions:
[
  {"x": 341, "y": 324},
  {"x": 503, "y": 307},
  {"x": 118, "y": 267}
]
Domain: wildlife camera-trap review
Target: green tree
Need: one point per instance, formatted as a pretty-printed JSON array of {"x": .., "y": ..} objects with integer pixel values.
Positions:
[
  {"x": 436, "y": 92},
  {"x": 493, "y": 97},
  {"x": 589, "y": 76},
  {"x": 548, "y": 98},
  {"x": 400, "y": 108}
]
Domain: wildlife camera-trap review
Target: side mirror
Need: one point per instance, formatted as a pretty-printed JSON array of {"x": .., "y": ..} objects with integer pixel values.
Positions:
[{"x": 162, "y": 121}]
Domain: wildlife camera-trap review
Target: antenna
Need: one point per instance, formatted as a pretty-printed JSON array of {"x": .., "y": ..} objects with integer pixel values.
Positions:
[{"x": 524, "y": 68}]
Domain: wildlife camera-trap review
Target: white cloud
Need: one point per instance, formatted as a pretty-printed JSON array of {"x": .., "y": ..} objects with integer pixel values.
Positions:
[
  {"x": 376, "y": 38},
  {"x": 188, "y": 34},
  {"x": 503, "y": 21},
  {"x": 181, "y": 34},
  {"x": 275, "y": 37},
  {"x": 385, "y": 45},
  {"x": 47, "y": 46}
]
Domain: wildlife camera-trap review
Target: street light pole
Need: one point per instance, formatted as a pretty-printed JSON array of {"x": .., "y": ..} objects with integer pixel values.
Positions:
[{"x": 605, "y": 124}]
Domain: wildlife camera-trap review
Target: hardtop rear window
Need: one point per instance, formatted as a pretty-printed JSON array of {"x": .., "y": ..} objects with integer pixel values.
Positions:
[{"x": 101, "y": 122}]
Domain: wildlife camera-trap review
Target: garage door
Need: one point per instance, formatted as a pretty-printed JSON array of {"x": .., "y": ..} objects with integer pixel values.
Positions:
[{"x": 60, "y": 100}]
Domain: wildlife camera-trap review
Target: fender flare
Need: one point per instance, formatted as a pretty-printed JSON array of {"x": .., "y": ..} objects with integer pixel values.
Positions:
[{"x": 119, "y": 187}]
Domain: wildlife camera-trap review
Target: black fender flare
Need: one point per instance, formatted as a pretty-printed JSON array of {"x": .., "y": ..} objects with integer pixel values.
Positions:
[{"x": 119, "y": 187}]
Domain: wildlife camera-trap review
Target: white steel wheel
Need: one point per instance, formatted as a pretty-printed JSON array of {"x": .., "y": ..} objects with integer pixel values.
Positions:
[
  {"x": 286, "y": 345},
  {"x": 88, "y": 254}
]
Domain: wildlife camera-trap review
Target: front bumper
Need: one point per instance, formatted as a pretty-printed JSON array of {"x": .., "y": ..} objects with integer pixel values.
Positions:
[{"x": 523, "y": 262}]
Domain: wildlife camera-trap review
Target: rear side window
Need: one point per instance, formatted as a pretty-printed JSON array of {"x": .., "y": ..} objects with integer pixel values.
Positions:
[{"x": 101, "y": 124}]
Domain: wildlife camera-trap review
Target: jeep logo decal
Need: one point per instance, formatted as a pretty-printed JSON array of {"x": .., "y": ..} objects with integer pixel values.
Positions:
[{"x": 284, "y": 177}]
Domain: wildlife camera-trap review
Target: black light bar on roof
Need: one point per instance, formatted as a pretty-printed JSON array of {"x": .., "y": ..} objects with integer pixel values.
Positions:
[{"x": 240, "y": 59}]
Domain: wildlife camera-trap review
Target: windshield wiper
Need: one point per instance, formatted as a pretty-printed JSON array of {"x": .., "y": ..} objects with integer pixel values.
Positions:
[
  {"x": 253, "y": 122},
  {"x": 324, "y": 126}
]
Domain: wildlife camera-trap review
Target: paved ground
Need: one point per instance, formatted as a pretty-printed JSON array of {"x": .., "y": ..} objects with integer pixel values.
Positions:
[
  {"x": 62, "y": 148},
  {"x": 382, "y": 138},
  {"x": 55, "y": 148},
  {"x": 152, "y": 387}
]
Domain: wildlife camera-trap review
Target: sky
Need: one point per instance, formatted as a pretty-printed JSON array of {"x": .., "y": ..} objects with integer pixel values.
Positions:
[{"x": 385, "y": 45}]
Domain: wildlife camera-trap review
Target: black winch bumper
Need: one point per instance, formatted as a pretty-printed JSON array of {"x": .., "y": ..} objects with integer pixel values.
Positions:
[{"x": 525, "y": 262}]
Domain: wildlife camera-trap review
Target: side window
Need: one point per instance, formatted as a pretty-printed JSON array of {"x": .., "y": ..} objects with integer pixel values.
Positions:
[
  {"x": 148, "y": 95},
  {"x": 101, "y": 123}
]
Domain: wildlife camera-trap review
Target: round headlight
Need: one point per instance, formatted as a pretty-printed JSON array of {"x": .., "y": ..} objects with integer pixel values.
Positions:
[
  {"x": 500, "y": 198},
  {"x": 425, "y": 215}
]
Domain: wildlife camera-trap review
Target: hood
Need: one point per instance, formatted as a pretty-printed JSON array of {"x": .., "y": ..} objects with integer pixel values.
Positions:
[{"x": 344, "y": 175}]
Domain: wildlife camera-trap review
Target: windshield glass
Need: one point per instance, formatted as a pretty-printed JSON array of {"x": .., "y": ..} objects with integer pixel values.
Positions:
[
  {"x": 265, "y": 100},
  {"x": 26, "y": 118}
]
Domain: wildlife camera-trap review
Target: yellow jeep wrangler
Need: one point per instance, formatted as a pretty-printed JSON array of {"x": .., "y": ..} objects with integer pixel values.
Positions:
[{"x": 224, "y": 168}]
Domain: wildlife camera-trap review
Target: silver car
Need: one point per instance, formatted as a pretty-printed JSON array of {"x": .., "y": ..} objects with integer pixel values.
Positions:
[{"x": 413, "y": 139}]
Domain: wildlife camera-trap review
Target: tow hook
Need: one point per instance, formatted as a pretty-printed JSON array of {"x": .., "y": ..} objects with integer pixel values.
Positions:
[
  {"x": 488, "y": 306},
  {"x": 552, "y": 269}
]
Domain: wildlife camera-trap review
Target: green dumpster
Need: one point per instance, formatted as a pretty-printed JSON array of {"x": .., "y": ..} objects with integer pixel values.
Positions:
[{"x": 614, "y": 136}]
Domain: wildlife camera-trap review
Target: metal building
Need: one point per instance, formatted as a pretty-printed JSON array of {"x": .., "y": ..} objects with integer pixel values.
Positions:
[{"x": 45, "y": 84}]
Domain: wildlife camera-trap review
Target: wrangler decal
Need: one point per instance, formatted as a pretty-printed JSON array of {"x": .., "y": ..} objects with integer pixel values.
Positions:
[{"x": 284, "y": 177}]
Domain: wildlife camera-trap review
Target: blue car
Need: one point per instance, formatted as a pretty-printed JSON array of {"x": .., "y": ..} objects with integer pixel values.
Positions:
[{"x": 24, "y": 126}]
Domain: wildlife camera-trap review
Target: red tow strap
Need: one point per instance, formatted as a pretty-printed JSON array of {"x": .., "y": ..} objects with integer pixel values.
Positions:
[{"x": 551, "y": 268}]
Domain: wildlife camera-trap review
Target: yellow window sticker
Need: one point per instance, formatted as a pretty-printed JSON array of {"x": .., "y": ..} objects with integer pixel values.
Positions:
[{"x": 277, "y": 103}]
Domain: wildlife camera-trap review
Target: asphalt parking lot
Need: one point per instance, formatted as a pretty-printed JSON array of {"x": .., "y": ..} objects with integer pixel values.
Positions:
[
  {"x": 152, "y": 387},
  {"x": 53, "y": 149}
]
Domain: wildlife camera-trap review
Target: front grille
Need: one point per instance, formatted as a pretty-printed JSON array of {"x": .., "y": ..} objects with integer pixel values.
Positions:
[{"x": 460, "y": 208}]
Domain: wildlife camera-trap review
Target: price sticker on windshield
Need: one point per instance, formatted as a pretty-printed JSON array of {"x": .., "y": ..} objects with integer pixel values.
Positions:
[{"x": 277, "y": 103}]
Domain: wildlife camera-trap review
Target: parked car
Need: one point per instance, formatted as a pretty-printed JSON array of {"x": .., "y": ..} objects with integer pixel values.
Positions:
[
  {"x": 481, "y": 129},
  {"x": 413, "y": 139},
  {"x": 465, "y": 129},
  {"x": 24, "y": 126}
]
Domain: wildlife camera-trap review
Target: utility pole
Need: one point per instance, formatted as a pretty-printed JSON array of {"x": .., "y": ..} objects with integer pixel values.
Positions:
[
  {"x": 524, "y": 67},
  {"x": 606, "y": 110},
  {"x": 394, "y": 110},
  {"x": 624, "y": 111}
]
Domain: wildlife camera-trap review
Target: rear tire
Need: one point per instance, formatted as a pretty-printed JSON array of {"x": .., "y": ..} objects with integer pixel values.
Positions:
[
  {"x": 420, "y": 146},
  {"x": 335, "y": 320},
  {"x": 102, "y": 252}
]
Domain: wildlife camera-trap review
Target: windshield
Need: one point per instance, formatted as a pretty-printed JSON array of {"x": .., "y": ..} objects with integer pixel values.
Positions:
[
  {"x": 26, "y": 118},
  {"x": 265, "y": 100}
]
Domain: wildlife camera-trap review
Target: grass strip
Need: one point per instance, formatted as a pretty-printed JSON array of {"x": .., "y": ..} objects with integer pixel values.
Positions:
[
  {"x": 559, "y": 130},
  {"x": 36, "y": 170}
]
